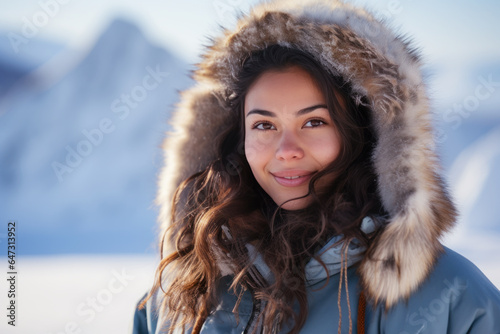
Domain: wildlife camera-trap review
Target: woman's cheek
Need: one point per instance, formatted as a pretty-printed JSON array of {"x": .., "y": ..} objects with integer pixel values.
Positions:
[
  {"x": 327, "y": 146},
  {"x": 250, "y": 152},
  {"x": 257, "y": 145}
]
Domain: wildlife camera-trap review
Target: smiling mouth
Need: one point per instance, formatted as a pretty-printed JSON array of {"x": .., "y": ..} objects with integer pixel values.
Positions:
[
  {"x": 291, "y": 177},
  {"x": 292, "y": 180}
]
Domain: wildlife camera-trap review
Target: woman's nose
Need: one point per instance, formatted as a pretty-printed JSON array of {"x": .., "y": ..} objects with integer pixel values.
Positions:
[{"x": 289, "y": 147}]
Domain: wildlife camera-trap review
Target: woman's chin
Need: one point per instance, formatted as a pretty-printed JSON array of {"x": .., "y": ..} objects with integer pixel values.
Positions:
[{"x": 296, "y": 204}]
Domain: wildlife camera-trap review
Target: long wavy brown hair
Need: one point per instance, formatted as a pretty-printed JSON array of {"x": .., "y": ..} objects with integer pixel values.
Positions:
[{"x": 221, "y": 210}]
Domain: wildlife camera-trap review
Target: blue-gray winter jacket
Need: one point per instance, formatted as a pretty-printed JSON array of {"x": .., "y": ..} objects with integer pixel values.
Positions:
[{"x": 455, "y": 298}]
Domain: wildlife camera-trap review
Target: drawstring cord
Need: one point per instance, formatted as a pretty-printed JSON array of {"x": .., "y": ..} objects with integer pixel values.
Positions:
[
  {"x": 343, "y": 276},
  {"x": 361, "y": 313}
]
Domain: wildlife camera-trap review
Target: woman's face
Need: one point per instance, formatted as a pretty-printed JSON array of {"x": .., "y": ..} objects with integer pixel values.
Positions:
[{"x": 289, "y": 134}]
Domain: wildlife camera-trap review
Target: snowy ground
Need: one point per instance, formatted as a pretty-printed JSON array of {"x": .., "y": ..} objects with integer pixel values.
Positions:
[
  {"x": 97, "y": 294},
  {"x": 78, "y": 294}
]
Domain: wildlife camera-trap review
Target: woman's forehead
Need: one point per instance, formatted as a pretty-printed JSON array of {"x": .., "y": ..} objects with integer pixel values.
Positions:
[{"x": 289, "y": 91}]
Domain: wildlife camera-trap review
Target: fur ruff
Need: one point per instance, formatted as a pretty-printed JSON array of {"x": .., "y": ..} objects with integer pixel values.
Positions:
[{"x": 380, "y": 66}]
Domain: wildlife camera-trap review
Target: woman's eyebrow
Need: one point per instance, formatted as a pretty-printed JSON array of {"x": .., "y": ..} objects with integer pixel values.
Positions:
[
  {"x": 261, "y": 112},
  {"x": 299, "y": 113},
  {"x": 309, "y": 109}
]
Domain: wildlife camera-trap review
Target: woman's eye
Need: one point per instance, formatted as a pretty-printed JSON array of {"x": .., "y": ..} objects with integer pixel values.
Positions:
[
  {"x": 263, "y": 126},
  {"x": 314, "y": 123}
]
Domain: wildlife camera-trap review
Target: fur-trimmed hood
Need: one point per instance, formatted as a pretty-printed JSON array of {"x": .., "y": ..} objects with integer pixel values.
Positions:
[{"x": 381, "y": 67}]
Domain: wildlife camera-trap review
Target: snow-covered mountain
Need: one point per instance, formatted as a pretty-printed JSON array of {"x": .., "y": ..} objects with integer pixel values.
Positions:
[
  {"x": 16, "y": 63},
  {"x": 80, "y": 143}
]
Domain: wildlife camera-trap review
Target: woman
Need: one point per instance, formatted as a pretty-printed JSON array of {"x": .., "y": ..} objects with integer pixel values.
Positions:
[{"x": 301, "y": 193}]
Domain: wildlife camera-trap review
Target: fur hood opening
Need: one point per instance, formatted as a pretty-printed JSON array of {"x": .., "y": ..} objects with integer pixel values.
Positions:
[{"x": 381, "y": 67}]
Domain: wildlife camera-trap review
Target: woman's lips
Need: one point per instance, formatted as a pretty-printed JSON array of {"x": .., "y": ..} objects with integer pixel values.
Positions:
[{"x": 292, "y": 178}]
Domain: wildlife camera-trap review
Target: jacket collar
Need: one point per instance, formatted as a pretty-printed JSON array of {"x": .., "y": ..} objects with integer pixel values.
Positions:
[{"x": 332, "y": 254}]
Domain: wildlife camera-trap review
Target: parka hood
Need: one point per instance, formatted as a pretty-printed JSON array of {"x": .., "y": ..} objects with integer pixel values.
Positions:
[{"x": 383, "y": 69}]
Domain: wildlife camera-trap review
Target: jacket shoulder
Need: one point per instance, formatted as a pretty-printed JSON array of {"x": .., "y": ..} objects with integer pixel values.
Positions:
[
  {"x": 456, "y": 297},
  {"x": 470, "y": 299},
  {"x": 453, "y": 266}
]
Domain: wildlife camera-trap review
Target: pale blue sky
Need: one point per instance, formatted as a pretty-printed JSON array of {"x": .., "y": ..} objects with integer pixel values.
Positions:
[{"x": 448, "y": 31}]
